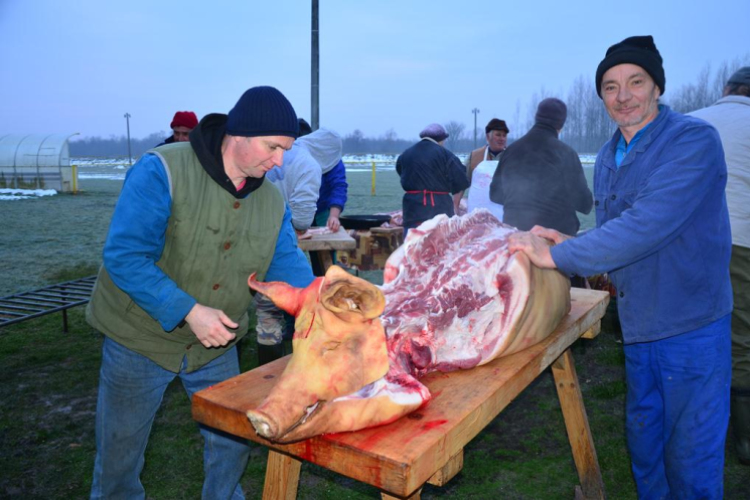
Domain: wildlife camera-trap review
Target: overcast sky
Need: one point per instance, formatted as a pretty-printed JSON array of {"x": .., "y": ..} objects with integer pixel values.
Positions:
[{"x": 78, "y": 66}]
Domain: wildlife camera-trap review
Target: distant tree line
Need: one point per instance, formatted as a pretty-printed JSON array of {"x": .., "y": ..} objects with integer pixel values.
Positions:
[
  {"x": 588, "y": 125},
  {"x": 114, "y": 146}
]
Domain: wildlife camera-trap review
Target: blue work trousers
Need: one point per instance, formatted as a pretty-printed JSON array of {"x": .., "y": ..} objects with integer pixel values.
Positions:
[
  {"x": 131, "y": 388},
  {"x": 677, "y": 412}
]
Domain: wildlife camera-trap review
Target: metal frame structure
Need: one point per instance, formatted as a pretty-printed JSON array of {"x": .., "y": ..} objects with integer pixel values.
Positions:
[
  {"x": 47, "y": 300},
  {"x": 41, "y": 157}
]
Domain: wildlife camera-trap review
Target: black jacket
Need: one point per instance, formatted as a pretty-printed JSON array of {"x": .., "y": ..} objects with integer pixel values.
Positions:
[
  {"x": 428, "y": 166},
  {"x": 539, "y": 181}
]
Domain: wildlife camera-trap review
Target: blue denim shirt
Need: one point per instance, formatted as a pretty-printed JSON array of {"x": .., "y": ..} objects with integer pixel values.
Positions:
[
  {"x": 662, "y": 229},
  {"x": 136, "y": 240}
]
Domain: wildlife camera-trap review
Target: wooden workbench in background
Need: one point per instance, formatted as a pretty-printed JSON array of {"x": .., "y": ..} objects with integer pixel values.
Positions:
[
  {"x": 427, "y": 445},
  {"x": 322, "y": 246}
]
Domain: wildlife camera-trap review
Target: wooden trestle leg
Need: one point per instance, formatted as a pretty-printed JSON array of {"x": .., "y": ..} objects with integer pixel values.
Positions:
[
  {"x": 282, "y": 477},
  {"x": 577, "y": 424}
]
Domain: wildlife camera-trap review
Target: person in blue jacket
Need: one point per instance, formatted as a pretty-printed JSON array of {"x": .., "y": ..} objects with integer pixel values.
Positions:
[
  {"x": 193, "y": 221},
  {"x": 662, "y": 233}
]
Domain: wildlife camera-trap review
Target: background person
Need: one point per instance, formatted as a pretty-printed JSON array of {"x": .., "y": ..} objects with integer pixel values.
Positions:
[
  {"x": 539, "y": 179},
  {"x": 662, "y": 233},
  {"x": 496, "y": 133},
  {"x": 432, "y": 177},
  {"x": 326, "y": 146},
  {"x": 182, "y": 124},
  {"x": 481, "y": 166},
  {"x": 298, "y": 179},
  {"x": 193, "y": 220},
  {"x": 731, "y": 117}
]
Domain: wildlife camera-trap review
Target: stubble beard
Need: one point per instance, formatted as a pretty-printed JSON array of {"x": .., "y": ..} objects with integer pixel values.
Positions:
[{"x": 650, "y": 111}]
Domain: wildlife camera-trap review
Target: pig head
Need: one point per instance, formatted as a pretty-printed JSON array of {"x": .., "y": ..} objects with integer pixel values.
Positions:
[{"x": 339, "y": 349}]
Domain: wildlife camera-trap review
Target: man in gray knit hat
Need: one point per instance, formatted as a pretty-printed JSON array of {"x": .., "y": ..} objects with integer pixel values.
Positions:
[
  {"x": 731, "y": 117},
  {"x": 193, "y": 221}
]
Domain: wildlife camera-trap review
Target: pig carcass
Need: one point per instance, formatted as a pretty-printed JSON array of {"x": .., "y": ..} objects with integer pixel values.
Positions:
[{"x": 453, "y": 298}]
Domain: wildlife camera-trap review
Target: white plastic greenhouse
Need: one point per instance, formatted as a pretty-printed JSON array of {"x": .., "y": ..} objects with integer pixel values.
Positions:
[{"x": 37, "y": 161}]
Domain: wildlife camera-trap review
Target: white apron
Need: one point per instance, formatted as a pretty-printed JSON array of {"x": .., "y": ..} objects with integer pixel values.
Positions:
[{"x": 479, "y": 193}]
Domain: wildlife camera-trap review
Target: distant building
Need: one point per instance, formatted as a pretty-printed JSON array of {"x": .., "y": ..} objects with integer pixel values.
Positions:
[{"x": 37, "y": 161}]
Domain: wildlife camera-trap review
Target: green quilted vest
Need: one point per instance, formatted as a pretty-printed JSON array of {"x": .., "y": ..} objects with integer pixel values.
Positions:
[{"x": 213, "y": 243}]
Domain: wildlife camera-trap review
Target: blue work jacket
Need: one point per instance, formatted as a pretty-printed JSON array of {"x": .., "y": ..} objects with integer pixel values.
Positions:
[{"x": 662, "y": 229}]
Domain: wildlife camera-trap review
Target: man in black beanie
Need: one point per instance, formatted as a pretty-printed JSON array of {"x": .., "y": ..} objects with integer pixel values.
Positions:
[
  {"x": 193, "y": 221},
  {"x": 539, "y": 179},
  {"x": 662, "y": 234}
]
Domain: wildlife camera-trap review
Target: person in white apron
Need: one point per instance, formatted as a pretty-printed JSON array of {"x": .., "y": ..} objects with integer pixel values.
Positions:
[{"x": 479, "y": 194}]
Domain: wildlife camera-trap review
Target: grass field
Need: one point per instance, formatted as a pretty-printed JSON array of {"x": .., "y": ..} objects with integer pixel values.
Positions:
[{"x": 48, "y": 386}]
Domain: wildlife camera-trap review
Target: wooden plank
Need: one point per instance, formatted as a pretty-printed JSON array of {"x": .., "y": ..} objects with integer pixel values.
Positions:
[
  {"x": 417, "y": 495},
  {"x": 282, "y": 477},
  {"x": 592, "y": 332},
  {"x": 336, "y": 241},
  {"x": 449, "y": 470},
  {"x": 387, "y": 230},
  {"x": 400, "y": 457},
  {"x": 577, "y": 424}
]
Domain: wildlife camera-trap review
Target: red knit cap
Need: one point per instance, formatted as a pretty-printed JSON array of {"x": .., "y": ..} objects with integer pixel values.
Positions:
[{"x": 184, "y": 119}]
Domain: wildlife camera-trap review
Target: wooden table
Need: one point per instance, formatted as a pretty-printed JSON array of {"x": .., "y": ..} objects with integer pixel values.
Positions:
[
  {"x": 425, "y": 446},
  {"x": 322, "y": 246}
]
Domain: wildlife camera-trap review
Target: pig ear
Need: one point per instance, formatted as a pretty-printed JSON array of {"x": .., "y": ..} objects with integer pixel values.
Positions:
[
  {"x": 344, "y": 293},
  {"x": 284, "y": 296}
]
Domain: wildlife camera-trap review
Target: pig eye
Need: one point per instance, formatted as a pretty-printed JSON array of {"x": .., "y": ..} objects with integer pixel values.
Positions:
[{"x": 331, "y": 345}]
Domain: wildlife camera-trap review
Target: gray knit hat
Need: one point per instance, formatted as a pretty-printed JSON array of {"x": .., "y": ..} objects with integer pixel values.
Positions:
[
  {"x": 741, "y": 76},
  {"x": 552, "y": 112},
  {"x": 434, "y": 131},
  {"x": 263, "y": 111}
]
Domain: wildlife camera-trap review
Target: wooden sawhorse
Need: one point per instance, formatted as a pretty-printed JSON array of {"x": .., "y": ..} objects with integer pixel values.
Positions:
[{"x": 427, "y": 445}]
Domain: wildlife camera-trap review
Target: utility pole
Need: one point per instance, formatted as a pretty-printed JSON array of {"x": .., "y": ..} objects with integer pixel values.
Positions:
[
  {"x": 127, "y": 120},
  {"x": 314, "y": 67},
  {"x": 475, "y": 111}
]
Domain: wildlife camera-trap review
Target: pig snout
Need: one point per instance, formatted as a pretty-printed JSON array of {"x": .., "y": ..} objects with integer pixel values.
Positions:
[
  {"x": 275, "y": 422},
  {"x": 264, "y": 424}
]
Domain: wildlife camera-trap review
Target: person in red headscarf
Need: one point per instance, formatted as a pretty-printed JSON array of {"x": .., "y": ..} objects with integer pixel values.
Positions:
[{"x": 182, "y": 123}]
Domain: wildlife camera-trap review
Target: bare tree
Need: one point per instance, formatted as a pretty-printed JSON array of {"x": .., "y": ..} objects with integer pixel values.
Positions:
[
  {"x": 727, "y": 69},
  {"x": 455, "y": 134},
  {"x": 515, "y": 128},
  {"x": 706, "y": 90}
]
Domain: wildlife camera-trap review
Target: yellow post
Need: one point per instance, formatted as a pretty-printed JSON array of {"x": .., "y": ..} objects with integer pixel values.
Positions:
[
  {"x": 74, "y": 172},
  {"x": 372, "y": 191}
]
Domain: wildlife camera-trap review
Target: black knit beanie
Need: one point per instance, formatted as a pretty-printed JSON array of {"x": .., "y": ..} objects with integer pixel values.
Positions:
[
  {"x": 638, "y": 50},
  {"x": 263, "y": 111},
  {"x": 553, "y": 112}
]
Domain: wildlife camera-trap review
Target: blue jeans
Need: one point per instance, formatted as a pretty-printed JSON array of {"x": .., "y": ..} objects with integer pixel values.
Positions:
[
  {"x": 131, "y": 388},
  {"x": 677, "y": 412}
]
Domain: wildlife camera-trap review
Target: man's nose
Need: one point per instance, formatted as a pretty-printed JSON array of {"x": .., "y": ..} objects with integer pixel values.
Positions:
[
  {"x": 278, "y": 158},
  {"x": 624, "y": 94}
]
